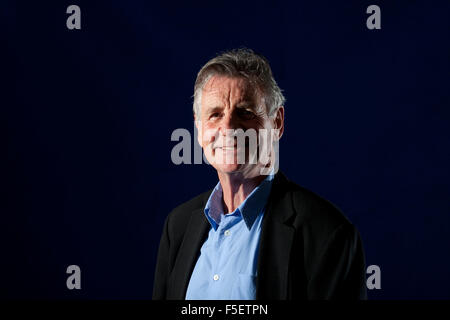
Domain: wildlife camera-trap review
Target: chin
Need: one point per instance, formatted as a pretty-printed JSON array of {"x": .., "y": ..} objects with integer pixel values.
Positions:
[
  {"x": 218, "y": 161},
  {"x": 228, "y": 168}
]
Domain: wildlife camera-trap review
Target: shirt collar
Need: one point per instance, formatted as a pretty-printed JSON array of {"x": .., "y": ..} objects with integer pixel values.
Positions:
[{"x": 249, "y": 208}]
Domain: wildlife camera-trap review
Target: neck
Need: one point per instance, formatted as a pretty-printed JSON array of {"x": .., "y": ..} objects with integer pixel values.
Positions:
[{"x": 236, "y": 187}]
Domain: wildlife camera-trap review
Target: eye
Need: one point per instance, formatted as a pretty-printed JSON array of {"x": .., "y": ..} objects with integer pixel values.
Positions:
[
  {"x": 246, "y": 114},
  {"x": 214, "y": 115}
]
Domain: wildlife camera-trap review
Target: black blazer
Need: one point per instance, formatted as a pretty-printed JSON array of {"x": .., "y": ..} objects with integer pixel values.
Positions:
[{"x": 308, "y": 248}]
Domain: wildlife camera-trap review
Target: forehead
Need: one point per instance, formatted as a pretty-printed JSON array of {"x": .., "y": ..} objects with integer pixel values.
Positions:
[{"x": 226, "y": 89}]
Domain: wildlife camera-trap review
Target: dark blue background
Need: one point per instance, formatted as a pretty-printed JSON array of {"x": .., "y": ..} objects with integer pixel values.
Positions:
[{"x": 87, "y": 116}]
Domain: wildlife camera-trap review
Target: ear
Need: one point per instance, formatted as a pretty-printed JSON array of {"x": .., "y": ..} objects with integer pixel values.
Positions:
[{"x": 278, "y": 121}]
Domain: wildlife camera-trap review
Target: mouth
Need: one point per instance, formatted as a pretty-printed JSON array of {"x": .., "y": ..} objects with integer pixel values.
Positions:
[{"x": 226, "y": 147}]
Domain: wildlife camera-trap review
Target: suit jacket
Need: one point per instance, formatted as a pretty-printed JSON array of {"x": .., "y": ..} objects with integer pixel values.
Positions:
[{"x": 308, "y": 248}]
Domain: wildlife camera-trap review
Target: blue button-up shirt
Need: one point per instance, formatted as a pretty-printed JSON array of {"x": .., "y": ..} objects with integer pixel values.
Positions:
[{"x": 227, "y": 266}]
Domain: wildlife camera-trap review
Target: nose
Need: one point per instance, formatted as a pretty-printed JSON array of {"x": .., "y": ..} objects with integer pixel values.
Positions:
[{"x": 228, "y": 124}]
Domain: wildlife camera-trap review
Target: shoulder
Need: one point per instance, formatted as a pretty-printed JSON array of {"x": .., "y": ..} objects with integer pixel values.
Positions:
[
  {"x": 319, "y": 224},
  {"x": 314, "y": 208},
  {"x": 310, "y": 211},
  {"x": 181, "y": 214}
]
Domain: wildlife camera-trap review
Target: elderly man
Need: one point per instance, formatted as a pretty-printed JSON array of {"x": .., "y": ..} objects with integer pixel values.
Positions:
[{"x": 256, "y": 235}]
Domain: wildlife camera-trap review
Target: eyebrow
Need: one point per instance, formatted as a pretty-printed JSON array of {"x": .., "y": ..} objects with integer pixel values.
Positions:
[
  {"x": 245, "y": 104},
  {"x": 240, "y": 105},
  {"x": 214, "y": 109}
]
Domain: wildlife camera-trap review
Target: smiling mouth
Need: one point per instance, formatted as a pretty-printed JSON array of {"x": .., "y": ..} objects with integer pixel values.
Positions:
[{"x": 227, "y": 147}]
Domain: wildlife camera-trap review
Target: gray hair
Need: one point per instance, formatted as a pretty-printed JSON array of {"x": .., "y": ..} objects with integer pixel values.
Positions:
[{"x": 241, "y": 63}]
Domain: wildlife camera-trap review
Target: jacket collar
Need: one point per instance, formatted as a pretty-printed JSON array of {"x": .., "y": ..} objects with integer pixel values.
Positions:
[{"x": 277, "y": 236}]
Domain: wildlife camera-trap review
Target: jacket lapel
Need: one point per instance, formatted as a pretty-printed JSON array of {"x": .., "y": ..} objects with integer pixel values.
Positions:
[
  {"x": 275, "y": 244},
  {"x": 196, "y": 232}
]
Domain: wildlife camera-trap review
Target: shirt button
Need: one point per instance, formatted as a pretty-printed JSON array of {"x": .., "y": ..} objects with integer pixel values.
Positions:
[
  {"x": 216, "y": 277},
  {"x": 227, "y": 232}
]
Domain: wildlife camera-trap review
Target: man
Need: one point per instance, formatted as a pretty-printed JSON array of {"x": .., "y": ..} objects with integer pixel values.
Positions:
[{"x": 256, "y": 235}]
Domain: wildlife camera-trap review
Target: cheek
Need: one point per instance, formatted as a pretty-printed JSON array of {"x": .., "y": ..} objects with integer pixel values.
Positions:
[{"x": 209, "y": 134}]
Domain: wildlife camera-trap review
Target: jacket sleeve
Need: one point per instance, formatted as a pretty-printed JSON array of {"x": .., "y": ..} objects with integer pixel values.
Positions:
[
  {"x": 162, "y": 265},
  {"x": 339, "y": 273}
]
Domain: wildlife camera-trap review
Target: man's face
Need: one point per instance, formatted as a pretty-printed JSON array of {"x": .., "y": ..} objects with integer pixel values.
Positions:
[{"x": 228, "y": 104}]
